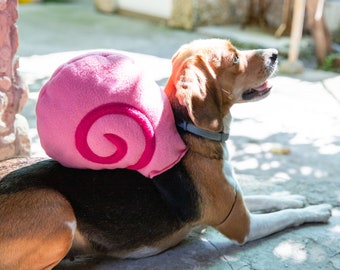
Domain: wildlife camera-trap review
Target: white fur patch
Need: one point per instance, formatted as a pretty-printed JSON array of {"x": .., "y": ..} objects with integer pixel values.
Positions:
[
  {"x": 143, "y": 252},
  {"x": 72, "y": 225},
  {"x": 228, "y": 169}
]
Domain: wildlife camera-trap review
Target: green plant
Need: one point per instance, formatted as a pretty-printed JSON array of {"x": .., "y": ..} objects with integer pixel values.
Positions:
[{"x": 328, "y": 63}]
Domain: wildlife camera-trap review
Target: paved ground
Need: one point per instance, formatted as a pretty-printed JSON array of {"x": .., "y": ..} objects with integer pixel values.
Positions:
[{"x": 302, "y": 114}]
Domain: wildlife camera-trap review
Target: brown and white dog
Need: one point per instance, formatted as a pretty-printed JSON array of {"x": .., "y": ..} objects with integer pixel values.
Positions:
[{"x": 47, "y": 209}]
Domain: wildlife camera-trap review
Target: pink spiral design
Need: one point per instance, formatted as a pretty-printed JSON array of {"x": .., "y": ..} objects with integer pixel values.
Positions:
[{"x": 115, "y": 108}]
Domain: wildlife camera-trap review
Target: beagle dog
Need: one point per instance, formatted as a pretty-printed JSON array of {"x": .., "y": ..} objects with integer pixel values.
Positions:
[{"x": 48, "y": 211}]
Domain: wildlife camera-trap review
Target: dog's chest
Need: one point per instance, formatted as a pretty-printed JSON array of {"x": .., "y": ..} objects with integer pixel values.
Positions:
[{"x": 228, "y": 169}]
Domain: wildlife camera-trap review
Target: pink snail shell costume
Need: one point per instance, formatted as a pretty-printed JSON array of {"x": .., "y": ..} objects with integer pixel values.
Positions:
[{"x": 101, "y": 111}]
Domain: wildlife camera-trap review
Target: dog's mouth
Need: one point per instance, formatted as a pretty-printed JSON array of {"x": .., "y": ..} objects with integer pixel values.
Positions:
[{"x": 257, "y": 92}]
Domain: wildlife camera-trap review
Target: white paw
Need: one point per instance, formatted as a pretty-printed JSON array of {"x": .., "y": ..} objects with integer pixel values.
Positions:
[
  {"x": 317, "y": 213},
  {"x": 293, "y": 201}
]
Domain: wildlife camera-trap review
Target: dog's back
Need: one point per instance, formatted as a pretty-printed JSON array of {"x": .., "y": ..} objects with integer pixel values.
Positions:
[{"x": 110, "y": 205}]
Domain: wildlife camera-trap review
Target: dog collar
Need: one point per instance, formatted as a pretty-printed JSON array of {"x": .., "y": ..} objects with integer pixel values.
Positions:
[{"x": 215, "y": 136}]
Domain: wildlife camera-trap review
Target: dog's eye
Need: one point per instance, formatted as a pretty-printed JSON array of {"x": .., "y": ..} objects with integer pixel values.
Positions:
[{"x": 236, "y": 60}]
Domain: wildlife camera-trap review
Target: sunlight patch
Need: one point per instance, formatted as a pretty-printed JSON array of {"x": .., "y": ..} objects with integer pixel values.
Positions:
[
  {"x": 281, "y": 177},
  {"x": 249, "y": 164},
  {"x": 330, "y": 149},
  {"x": 335, "y": 229},
  {"x": 270, "y": 165},
  {"x": 305, "y": 170},
  {"x": 336, "y": 212},
  {"x": 290, "y": 250}
]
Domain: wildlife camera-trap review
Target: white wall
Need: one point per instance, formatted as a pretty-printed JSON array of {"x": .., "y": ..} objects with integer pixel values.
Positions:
[
  {"x": 331, "y": 14},
  {"x": 157, "y": 8}
]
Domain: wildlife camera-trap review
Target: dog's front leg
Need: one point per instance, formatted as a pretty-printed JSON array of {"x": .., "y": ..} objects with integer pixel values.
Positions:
[
  {"x": 262, "y": 225},
  {"x": 267, "y": 203}
]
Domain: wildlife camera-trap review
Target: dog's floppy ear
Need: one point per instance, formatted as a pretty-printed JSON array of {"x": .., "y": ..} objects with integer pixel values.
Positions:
[{"x": 195, "y": 89}]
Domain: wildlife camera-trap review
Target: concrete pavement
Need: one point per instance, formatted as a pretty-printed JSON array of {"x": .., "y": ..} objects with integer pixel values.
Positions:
[{"x": 302, "y": 114}]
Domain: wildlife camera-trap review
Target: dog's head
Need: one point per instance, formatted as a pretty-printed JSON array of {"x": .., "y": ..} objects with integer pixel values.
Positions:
[{"x": 209, "y": 76}]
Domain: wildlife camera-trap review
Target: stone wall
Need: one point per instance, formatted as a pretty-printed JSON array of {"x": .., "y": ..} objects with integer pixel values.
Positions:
[
  {"x": 14, "y": 139},
  {"x": 238, "y": 11},
  {"x": 190, "y": 14}
]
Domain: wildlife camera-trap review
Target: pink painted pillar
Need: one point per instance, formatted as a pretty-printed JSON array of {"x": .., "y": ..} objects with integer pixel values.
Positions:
[{"x": 14, "y": 138}]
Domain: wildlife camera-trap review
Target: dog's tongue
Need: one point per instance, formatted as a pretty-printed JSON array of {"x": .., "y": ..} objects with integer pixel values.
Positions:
[{"x": 262, "y": 87}]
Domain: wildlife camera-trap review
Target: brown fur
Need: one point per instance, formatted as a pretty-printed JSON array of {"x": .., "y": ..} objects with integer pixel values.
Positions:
[{"x": 22, "y": 245}]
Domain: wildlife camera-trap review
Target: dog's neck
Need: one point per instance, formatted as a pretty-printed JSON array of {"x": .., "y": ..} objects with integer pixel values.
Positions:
[
  {"x": 210, "y": 135},
  {"x": 207, "y": 148},
  {"x": 219, "y": 180},
  {"x": 227, "y": 122}
]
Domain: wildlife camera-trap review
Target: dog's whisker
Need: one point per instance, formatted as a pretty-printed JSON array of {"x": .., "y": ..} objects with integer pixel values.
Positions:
[{"x": 228, "y": 93}]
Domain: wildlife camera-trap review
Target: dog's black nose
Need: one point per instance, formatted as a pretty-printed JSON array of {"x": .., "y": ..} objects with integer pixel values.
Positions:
[{"x": 274, "y": 56}]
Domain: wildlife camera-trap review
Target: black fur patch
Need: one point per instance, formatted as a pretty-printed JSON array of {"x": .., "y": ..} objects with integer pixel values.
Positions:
[{"x": 113, "y": 206}]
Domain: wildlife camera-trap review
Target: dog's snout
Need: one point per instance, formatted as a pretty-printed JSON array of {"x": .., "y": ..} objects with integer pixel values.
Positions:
[{"x": 272, "y": 55}]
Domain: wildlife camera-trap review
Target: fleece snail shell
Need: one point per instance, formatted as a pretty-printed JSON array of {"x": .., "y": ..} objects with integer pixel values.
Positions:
[{"x": 101, "y": 111}]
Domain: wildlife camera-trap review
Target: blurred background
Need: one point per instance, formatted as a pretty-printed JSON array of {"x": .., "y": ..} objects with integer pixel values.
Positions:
[{"x": 319, "y": 19}]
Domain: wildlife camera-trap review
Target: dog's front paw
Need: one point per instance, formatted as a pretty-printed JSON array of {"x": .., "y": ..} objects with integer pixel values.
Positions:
[{"x": 317, "y": 213}]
